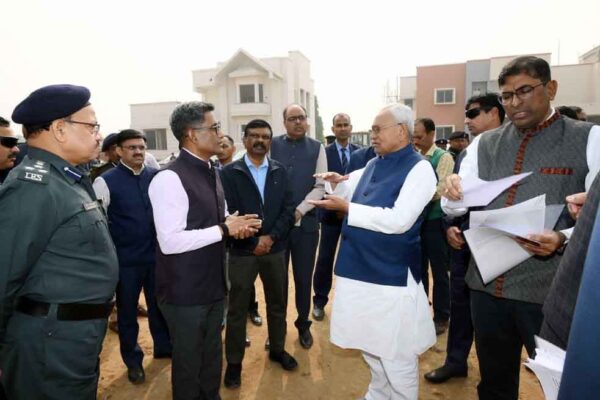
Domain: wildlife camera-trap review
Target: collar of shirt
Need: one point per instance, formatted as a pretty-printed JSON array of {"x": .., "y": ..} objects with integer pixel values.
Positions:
[
  {"x": 397, "y": 154},
  {"x": 250, "y": 164},
  {"x": 72, "y": 173},
  {"x": 195, "y": 156},
  {"x": 430, "y": 151},
  {"x": 131, "y": 169},
  {"x": 339, "y": 147}
]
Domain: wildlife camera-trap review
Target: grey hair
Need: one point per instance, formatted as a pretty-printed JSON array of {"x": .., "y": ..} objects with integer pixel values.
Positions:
[{"x": 403, "y": 115}]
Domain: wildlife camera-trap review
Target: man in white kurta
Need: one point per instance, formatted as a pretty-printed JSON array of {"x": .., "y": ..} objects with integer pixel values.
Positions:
[{"x": 380, "y": 306}]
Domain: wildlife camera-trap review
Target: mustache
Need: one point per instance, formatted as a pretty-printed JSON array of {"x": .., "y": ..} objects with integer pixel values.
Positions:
[{"x": 259, "y": 146}]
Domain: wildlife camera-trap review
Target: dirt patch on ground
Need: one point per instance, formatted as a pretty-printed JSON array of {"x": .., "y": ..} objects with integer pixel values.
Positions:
[{"x": 325, "y": 371}]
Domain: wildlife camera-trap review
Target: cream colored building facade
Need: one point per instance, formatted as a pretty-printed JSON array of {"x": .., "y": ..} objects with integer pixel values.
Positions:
[{"x": 242, "y": 88}]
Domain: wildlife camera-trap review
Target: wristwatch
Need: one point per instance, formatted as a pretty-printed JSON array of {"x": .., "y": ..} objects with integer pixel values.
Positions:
[{"x": 564, "y": 240}]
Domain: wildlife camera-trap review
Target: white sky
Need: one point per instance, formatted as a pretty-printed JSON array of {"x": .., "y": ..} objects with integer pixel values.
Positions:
[{"x": 144, "y": 51}]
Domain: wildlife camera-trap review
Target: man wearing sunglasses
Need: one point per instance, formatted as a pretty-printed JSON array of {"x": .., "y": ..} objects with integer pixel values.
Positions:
[
  {"x": 564, "y": 156},
  {"x": 59, "y": 267},
  {"x": 8, "y": 148},
  {"x": 123, "y": 191},
  {"x": 483, "y": 113}
]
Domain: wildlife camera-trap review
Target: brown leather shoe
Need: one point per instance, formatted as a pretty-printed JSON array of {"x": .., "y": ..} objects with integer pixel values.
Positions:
[{"x": 142, "y": 312}]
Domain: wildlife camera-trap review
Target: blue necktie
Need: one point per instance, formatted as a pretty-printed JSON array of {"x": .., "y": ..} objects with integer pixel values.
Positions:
[{"x": 344, "y": 159}]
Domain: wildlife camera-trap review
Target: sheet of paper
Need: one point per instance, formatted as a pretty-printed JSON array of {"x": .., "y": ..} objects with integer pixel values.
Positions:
[
  {"x": 491, "y": 234},
  {"x": 548, "y": 366},
  {"x": 477, "y": 192}
]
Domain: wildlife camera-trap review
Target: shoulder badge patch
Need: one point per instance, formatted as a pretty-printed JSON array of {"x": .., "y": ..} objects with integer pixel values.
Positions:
[{"x": 36, "y": 171}]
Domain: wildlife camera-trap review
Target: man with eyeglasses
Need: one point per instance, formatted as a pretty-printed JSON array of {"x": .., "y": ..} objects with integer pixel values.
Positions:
[
  {"x": 192, "y": 224},
  {"x": 123, "y": 191},
  {"x": 380, "y": 306},
  {"x": 564, "y": 156},
  {"x": 482, "y": 113},
  {"x": 339, "y": 153},
  {"x": 59, "y": 266},
  {"x": 303, "y": 157},
  {"x": 8, "y": 148}
]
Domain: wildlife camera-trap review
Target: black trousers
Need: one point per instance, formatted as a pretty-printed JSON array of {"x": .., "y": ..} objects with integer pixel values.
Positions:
[
  {"x": 302, "y": 247},
  {"x": 131, "y": 281},
  {"x": 434, "y": 250},
  {"x": 197, "y": 350},
  {"x": 502, "y": 328},
  {"x": 322, "y": 279},
  {"x": 242, "y": 274},
  {"x": 460, "y": 332}
]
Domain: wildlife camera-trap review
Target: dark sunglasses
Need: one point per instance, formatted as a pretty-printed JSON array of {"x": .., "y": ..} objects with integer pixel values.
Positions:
[
  {"x": 473, "y": 113},
  {"x": 8, "y": 141}
]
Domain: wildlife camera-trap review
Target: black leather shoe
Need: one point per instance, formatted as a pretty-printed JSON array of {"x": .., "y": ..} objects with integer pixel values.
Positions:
[
  {"x": 247, "y": 341},
  {"x": 267, "y": 344},
  {"x": 136, "y": 375},
  {"x": 318, "y": 313},
  {"x": 287, "y": 362},
  {"x": 255, "y": 318},
  {"x": 306, "y": 339},
  {"x": 163, "y": 355},
  {"x": 442, "y": 374},
  {"x": 233, "y": 376}
]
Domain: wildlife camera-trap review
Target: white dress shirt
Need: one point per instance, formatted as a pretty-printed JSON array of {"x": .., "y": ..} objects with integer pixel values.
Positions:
[{"x": 170, "y": 206}]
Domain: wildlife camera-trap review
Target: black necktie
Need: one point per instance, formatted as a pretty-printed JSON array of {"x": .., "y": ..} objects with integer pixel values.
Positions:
[{"x": 344, "y": 158}]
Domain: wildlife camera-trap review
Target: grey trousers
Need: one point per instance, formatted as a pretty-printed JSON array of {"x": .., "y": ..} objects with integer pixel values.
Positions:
[
  {"x": 242, "y": 274},
  {"x": 197, "y": 350},
  {"x": 43, "y": 358}
]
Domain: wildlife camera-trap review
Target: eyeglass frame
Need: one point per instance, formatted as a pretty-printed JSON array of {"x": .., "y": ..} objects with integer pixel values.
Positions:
[
  {"x": 216, "y": 127},
  {"x": 521, "y": 95},
  {"x": 95, "y": 127},
  {"x": 296, "y": 119},
  {"x": 378, "y": 129},
  {"x": 9, "y": 139}
]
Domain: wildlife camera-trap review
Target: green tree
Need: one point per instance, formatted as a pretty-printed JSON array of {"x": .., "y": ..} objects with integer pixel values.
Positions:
[{"x": 318, "y": 123}]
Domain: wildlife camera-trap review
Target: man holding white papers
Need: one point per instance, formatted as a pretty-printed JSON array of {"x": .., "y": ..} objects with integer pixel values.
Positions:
[
  {"x": 380, "y": 306},
  {"x": 564, "y": 156}
]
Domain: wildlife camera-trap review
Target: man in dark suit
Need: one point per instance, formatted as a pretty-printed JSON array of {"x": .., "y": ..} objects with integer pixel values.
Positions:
[
  {"x": 338, "y": 157},
  {"x": 258, "y": 185}
]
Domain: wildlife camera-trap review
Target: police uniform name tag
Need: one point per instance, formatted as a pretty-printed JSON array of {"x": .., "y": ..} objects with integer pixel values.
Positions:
[
  {"x": 37, "y": 173},
  {"x": 90, "y": 206}
]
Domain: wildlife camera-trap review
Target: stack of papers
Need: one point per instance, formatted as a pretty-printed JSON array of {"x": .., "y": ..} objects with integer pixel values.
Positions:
[
  {"x": 547, "y": 366},
  {"x": 492, "y": 233},
  {"x": 477, "y": 192}
]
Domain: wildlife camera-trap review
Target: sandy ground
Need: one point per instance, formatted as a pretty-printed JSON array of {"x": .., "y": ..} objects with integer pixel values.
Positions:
[{"x": 325, "y": 371}]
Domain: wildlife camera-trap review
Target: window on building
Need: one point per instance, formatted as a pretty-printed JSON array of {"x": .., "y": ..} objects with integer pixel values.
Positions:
[
  {"x": 444, "y": 96},
  {"x": 242, "y": 129},
  {"x": 479, "y": 88},
  {"x": 247, "y": 94},
  {"x": 261, "y": 96},
  {"x": 443, "y": 131},
  {"x": 409, "y": 102},
  {"x": 307, "y": 104},
  {"x": 156, "y": 139},
  {"x": 301, "y": 96}
]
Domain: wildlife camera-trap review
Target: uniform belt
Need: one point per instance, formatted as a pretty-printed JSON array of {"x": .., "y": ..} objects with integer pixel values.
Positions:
[{"x": 67, "y": 311}]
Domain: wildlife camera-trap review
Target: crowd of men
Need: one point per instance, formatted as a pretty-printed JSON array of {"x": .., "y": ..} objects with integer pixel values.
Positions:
[{"x": 196, "y": 233}]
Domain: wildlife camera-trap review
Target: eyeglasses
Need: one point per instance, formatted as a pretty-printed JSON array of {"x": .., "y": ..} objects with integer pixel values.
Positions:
[
  {"x": 522, "y": 93},
  {"x": 132, "y": 147},
  {"x": 215, "y": 127},
  {"x": 8, "y": 141},
  {"x": 95, "y": 127},
  {"x": 473, "y": 113},
  {"x": 377, "y": 129},
  {"x": 297, "y": 118}
]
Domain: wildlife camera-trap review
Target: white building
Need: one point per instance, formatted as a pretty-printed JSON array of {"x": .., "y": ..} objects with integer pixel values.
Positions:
[
  {"x": 241, "y": 89},
  {"x": 244, "y": 88}
]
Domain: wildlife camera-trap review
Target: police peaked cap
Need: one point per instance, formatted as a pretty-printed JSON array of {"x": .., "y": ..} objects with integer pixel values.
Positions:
[
  {"x": 109, "y": 140},
  {"x": 459, "y": 135},
  {"x": 50, "y": 103}
]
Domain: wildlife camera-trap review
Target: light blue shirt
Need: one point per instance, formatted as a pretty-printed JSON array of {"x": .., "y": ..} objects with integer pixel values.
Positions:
[
  {"x": 258, "y": 174},
  {"x": 339, "y": 148}
]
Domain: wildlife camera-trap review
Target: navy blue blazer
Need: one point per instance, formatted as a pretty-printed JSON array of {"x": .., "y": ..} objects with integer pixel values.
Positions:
[{"x": 334, "y": 164}]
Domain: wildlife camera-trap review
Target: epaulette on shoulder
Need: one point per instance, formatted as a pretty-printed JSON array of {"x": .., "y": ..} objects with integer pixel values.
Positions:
[{"x": 35, "y": 171}]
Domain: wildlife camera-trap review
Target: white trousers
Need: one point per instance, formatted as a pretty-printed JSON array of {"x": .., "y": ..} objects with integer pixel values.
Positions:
[{"x": 393, "y": 379}]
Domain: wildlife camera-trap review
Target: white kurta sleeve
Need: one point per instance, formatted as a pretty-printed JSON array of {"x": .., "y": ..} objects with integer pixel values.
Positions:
[
  {"x": 418, "y": 188},
  {"x": 170, "y": 205},
  {"x": 102, "y": 192}
]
